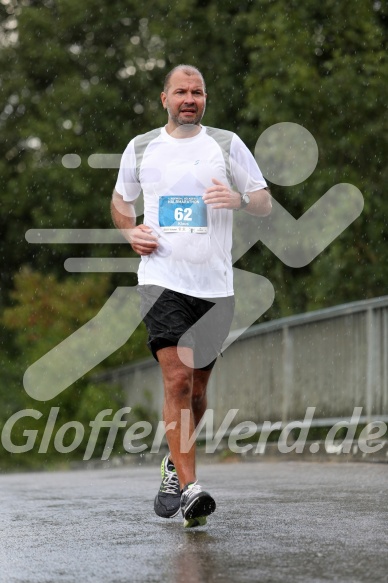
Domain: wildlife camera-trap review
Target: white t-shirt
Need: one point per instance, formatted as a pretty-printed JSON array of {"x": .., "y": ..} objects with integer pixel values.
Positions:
[{"x": 191, "y": 262}]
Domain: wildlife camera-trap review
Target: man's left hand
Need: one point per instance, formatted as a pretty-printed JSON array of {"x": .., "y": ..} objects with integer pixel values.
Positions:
[{"x": 221, "y": 196}]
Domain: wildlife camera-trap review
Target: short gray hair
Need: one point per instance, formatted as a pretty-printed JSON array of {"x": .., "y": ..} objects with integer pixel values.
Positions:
[{"x": 188, "y": 69}]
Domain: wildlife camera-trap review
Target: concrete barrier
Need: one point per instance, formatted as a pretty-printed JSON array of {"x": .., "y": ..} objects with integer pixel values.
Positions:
[{"x": 334, "y": 359}]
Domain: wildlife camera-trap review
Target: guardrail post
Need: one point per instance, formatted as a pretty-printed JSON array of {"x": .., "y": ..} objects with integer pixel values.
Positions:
[{"x": 288, "y": 371}]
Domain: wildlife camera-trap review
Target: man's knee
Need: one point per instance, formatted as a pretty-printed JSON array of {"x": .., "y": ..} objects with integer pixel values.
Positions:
[
  {"x": 198, "y": 395},
  {"x": 178, "y": 384},
  {"x": 200, "y": 382}
]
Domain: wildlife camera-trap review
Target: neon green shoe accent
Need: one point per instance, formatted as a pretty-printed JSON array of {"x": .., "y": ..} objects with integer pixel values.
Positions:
[
  {"x": 193, "y": 522},
  {"x": 163, "y": 468}
]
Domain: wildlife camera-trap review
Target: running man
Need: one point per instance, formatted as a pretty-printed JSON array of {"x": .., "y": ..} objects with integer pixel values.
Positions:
[{"x": 192, "y": 177}]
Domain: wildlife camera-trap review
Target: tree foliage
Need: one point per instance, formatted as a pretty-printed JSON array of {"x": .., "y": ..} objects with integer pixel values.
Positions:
[
  {"x": 325, "y": 66},
  {"x": 45, "y": 312},
  {"x": 86, "y": 78}
]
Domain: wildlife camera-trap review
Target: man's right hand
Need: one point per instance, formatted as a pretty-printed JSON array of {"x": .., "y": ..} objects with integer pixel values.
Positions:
[{"x": 143, "y": 240}]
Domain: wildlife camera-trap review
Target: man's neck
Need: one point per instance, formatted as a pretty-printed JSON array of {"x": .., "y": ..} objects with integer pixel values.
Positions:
[{"x": 182, "y": 131}]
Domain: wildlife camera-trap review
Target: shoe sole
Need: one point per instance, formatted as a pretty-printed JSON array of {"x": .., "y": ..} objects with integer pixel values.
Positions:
[
  {"x": 193, "y": 522},
  {"x": 196, "y": 514}
]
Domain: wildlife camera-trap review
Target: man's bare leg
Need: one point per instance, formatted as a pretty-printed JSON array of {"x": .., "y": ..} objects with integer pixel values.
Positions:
[
  {"x": 184, "y": 388},
  {"x": 184, "y": 391},
  {"x": 199, "y": 397},
  {"x": 178, "y": 390}
]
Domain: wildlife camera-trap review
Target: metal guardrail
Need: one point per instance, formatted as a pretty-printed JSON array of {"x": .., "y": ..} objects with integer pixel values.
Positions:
[{"x": 333, "y": 359}]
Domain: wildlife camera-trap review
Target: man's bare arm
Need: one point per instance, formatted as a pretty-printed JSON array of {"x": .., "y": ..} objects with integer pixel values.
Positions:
[
  {"x": 260, "y": 203},
  {"x": 141, "y": 237}
]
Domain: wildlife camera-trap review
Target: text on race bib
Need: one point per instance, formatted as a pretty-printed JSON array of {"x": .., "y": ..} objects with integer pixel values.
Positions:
[{"x": 184, "y": 213}]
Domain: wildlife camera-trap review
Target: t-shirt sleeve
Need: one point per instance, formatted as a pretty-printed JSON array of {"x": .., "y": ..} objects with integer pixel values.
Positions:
[
  {"x": 127, "y": 183},
  {"x": 245, "y": 172}
]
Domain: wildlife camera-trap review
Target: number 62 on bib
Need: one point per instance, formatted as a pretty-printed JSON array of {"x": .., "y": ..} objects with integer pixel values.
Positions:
[{"x": 184, "y": 213}]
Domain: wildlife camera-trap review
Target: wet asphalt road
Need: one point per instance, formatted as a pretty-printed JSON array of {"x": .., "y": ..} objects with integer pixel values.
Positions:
[{"x": 290, "y": 521}]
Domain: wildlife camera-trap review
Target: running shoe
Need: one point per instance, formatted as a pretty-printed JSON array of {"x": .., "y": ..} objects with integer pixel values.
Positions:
[
  {"x": 196, "y": 505},
  {"x": 167, "y": 500}
]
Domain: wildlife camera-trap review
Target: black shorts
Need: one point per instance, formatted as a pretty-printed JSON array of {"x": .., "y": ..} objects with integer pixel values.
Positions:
[{"x": 171, "y": 316}]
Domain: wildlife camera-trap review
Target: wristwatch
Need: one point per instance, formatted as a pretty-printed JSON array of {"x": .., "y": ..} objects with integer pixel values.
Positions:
[{"x": 245, "y": 200}]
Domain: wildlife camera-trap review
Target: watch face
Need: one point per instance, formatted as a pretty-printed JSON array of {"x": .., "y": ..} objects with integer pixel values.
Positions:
[{"x": 244, "y": 200}]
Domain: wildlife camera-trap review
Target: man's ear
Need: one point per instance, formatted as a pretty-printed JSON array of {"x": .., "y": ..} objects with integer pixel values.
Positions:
[{"x": 163, "y": 98}]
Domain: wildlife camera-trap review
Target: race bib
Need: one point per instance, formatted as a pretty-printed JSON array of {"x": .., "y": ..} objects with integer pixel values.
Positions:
[{"x": 179, "y": 214}]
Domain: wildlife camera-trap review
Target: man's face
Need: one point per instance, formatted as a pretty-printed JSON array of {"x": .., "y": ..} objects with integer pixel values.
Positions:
[{"x": 185, "y": 99}]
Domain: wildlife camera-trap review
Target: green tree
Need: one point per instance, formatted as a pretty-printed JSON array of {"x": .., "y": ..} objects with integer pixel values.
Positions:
[
  {"x": 86, "y": 80},
  {"x": 76, "y": 83},
  {"x": 45, "y": 312},
  {"x": 324, "y": 66}
]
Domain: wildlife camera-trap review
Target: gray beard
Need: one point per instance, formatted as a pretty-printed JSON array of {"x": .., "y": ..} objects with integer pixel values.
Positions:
[{"x": 176, "y": 119}]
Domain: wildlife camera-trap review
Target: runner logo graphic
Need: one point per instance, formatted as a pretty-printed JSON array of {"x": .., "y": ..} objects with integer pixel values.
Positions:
[{"x": 287, "y": 155}]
